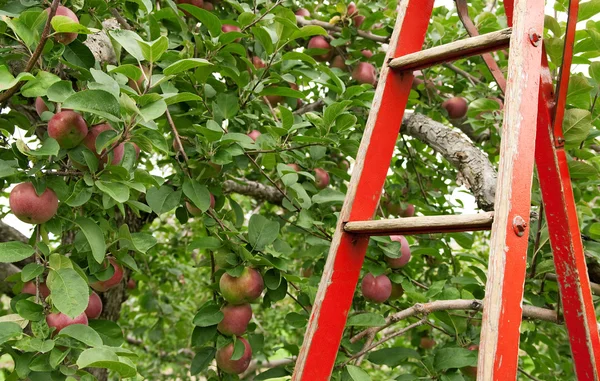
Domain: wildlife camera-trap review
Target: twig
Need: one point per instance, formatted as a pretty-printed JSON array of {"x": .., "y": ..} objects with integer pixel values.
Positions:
[
  {"x": 285, "y": 149},
  {"x": 270, "y": 180},
  {"x": 412, "y": 162},
  {"x": 262, "y": 16},
  {"x": 4, "y": 97},
  {"x": 177, "y": 139},
  {"x": 463, "y": 73},
  {"x": 327, "y": 26},
  {"x": 536, "y": 245},
  {"x": 120, "y": 19},
  {"x": 310, "y": 107},
  {"x": 528, "y": 375}
]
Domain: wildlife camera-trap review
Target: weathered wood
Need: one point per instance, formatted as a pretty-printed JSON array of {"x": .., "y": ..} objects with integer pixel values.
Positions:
[
  {"x": 423, "y": 225},
  {"x": 472, "y": 46}
]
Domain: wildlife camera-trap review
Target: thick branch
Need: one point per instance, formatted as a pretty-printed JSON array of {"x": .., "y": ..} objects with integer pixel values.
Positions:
[
  {"x": 253, "y": 189},
  {"x": 8, "y": 234},
  {"x": 258, "y": 365}
]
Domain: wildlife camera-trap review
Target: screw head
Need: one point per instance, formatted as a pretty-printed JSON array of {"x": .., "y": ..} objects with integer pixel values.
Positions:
[
  {"x": 534, "y": 37},
  {"x": 519, "y": 225}
]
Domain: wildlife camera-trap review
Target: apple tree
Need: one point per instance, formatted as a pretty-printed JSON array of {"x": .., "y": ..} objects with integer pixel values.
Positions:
[{"x": 178, "y": 168}]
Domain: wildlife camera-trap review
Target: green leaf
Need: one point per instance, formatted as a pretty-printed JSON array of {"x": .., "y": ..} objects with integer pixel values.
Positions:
[
  {"x": 181, "y": 97},
  {"x": 29, "y": 310},
  {"x": 49, "y": 147},
  {"x": 118, "y": 191},
  {"x": 261, "y": 232},
  {"x": 202, "y": 243},
  {"x": 582, "y": 170},
  {"x": 208, "y": 19},
  {"x": 14, "y": 251},
  {"x": 308, "y": 31},
  {"x": 368, "y": 319},
  {"x": 8, "y": 331},
  {"x": 105, "y": 358},
  {"x": 82, "y": 333},
  {"x": 163, "y": 199},
  {"x": 7, "y": 80},
  {"x": 81, "y": 194},
  {"x": 98, "y": 102},
  {"x": 209, "y": 314},
  {"x": 357, "y": 374},
  {"x": 329, "y": 195},
  {"x": 197, "y": 193},
  {"x": 448, "y": 358},
  {"x": 153, "y": 50},
  {"x": 185, "y": 65},
  {"x": 143, "y": 242},
  {"x": 393, "y": 357},
  {"x": 64, "y": 24},
  {"x": 109, "y": 331},
  {"x": 94, "y": 236},
  {"x": 129, "y": 41},
  {"x": 202, "y": 359},
  {"x": 78, "y": 54},
  {"x": 577, "y": 125},
  {"x": 30, "y": 271},
  {"x": 60, "y": 91},
  {"x": 39, "y": 86},
  {"x": 69, "y": 291},
  {"x": 588, "y": 9},
  {"x": 283, "y": 91}
]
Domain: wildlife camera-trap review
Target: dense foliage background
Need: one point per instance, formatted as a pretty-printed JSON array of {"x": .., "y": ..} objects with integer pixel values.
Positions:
[{"x": 186, "y": 91}]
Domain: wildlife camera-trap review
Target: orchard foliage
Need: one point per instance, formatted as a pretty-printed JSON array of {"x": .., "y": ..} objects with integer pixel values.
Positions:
[{"x": 200, "y": 153}]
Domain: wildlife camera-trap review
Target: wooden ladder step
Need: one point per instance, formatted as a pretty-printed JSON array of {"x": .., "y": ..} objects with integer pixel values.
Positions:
[
  {"x": 423, "y": 225},
  {"x": 472, "y": 46}
]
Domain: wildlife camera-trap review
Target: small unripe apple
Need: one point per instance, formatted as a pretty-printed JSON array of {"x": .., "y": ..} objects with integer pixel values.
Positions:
[
  {"x": 366, "y": 53},
  {"x": 27, "y": 206},
  {"x": 377, "y": 289},
  {"x": 254, "y": 134},
  {"x": 103, "y": 285},
  {"x": 397, "y": 291},
  {"x": 243, "y": 289},
  {"x": 29, "y": 288},
  {"x": 427, "y": 342},
  {"x": 358, "y": 20},
  {"x": 235, "y": 319},
  {"x": 364, "y": 72},
  {"x": 402, "y": 260},
  {"x": 339, "y": 62},
  {"x": 258, "y": 63},
  {"x": 65, "y": 38},
  {"x": 229, "y": 366},
  {"x": 456, "y": 107},
  {"x": 68, "y": 128},
  {"x": 94, "y": 308},
  {"x": 319, "y": 42},
  {"x": 295, "y": 167},
  {"x": 321, "y": 178},
  {"x": 195, "y": 211},
  {"x": 59, "y": 321},
  {"x": 131, "y": 284},
  {"x": 303, "y": 12},
  {"x": 40, "y": 106}
]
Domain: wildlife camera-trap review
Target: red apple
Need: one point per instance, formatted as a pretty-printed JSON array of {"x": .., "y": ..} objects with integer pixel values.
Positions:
[
  {"x": 397, "y": 291},
  {"x": 196, "y": 3},
  {"x": 409, "y": 211},
  {"x": 351, "y": 9},
  {"x": 94, "y": 308},
  {"x": 295, "y": 167},
  {"x": 339, "y": 62},
  {"x": 244, "y": 289},
  {"x": 68, "y": 128},
  {"x": 364, "y": 72},
  {"x": 229, "y": 366},
  {"x": 29, "y": 288},
  {"x": 40, "y": 106},
  {"x": 303, "y": 12},
  {"x": 103, "y": 285},
  {"x": 65, "y": 38},
  {"x": 319, "y": 42},
  {"x": 307, "y": 272},
  {"x": 254, "y": 134},
  {"x": 456, "y": 107},
  {"x": 137, "y": 150},
  {"x": 358, "y": 20},
  {"x": 257, "y": 62},
  {"x": 90, "y": 142},
  {"x": 59, "y": 321},
  {"x": 192, "y": 209},
  {"x": 427, "y": 343},
  {"x": 376, "y": 289},
  {"x": 235, "y": 320},
  {"x": 402, "y": 260},
  {"x": 27, "y": 206},
  {"x": 208, "y": 6},
  {"x": 321, "y": 178},
  {"x": 226, "y": 28},
  {"x": 366, "y": 53},
  {"x": 131, "y": 284}
]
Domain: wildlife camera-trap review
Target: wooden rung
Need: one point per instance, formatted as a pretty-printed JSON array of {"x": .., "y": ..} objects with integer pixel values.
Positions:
[
  {"x": 455, "y": 50},
  {"x": 423, "y": 225}
]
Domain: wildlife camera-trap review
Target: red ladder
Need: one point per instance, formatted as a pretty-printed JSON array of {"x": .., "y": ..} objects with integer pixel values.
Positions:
[{"x": 528, "y": 84}]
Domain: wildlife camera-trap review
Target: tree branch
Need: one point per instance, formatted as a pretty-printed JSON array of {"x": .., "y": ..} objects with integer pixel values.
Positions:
[
  {"x": 327, "y": 26},
  {"x": 253, "y": 189}
]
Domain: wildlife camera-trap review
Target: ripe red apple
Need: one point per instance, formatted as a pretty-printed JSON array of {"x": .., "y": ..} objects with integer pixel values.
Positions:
[
  {"x": 94, "y": 308},
  {"x": 27, "y": 206},
  {"x": 456, "y": 107},
  {"x": 59, "y": 321},
  {"x": 139, "y": 85},
  {"x": 137, "y": 150},
  {"x": 402, "y": 260},
  {"x": 254, "y": 134},
  {"x": 351, "y": 9},
  {"x": 321, "y": 178},
  {"x": 131, "y": 284},
  {"x": 307, "y": 272},
  {"x": 226, "y": 28},
  {"x": 229, "y": 366},
  {"x": 103, "y": 285},
  {"x": 427, "y": 342},
  {"x": 68, "y": 128},
  {"x": 471, "y": 371},
  {"x": 339, "y": 62},
  {"x": 295, "y": 167},
  {"x": 397, "y": 291},
  {"x": 196, "y": 212},
  {"x": 366, "y": 53},
  {"x": 303, "y": 12},
  {"x": 319, "y": 42},
  {"x": 364, "y": 72},
  {"x": 196, "y": 3},
  {"x": 90, "y": 142},
  {"x": 244, "y": 289},
  {"x": 235, "y": 320},
  {"x": 40, "y": 106},
  {"x": 29, "y": 288},
  {"x": 258, "y": 63},
  {"x": 65, "y": 38},
  {"x": 377, "y": 289},
  {"x": 358, "y": 20},
  {"x": 409, "y": 211},
  {"x": 208, "y": 6}
]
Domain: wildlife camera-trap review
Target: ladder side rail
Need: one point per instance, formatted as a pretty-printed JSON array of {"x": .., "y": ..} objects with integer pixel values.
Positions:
[
  {"x": 498, "y": 353},
  {"x": 344, "y": 262}
]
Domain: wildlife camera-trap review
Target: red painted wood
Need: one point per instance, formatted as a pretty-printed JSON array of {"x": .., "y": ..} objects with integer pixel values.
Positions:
[
  {"x": 498, "y": 356},
  {"x": 336, "y": 289}
]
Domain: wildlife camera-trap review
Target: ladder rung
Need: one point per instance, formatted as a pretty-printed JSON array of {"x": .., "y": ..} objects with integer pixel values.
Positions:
[
  {"x": 472, "y": 46},
  {"x": 423, "y": 225}
]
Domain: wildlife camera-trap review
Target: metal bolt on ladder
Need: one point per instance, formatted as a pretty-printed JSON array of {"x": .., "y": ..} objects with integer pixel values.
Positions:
[{"x": 529, "y": 134}]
